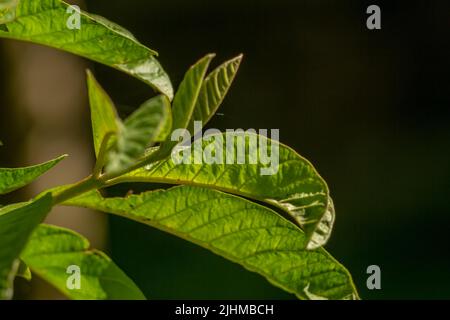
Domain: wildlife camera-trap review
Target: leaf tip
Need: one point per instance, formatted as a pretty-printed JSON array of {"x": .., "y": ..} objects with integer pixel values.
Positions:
[
  {"x": 61, "y": 158},
  {"x": 90, "y": 76}
]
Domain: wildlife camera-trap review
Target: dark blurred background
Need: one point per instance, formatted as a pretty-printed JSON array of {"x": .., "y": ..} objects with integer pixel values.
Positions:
[{"x": 370, "y": 108}]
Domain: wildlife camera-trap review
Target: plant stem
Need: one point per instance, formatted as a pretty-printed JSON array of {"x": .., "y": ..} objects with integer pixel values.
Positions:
[
  {"x": 150, "y": 158},
  {"x": 98, "y": 181},
  {"x": 89, "y": 183}
]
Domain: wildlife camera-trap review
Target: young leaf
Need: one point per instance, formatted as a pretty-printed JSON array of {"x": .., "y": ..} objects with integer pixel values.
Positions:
[
  {"x": 23, "y": 271},
  {"x": 294, "y": 185},
  {"x": 147, "y": 125},
  {"x": 17, "y": 222},
  {"x": 53, "y": 251},
  {"x": 241, "y": 231},
  {"x": 48, "y": 22},
  {"x": 213, "y": 91},
  {"x": 187, "y": 94},
  {"x": 186, "y": 98},
  {"x": 16, "y": 178},
  {"x": 103, "y": 113}
]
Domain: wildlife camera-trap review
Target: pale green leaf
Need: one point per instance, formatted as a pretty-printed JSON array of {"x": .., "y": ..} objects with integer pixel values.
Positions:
[
  {"x": 239, "y": 230},
  {"x": 187, "y": 94},
  {"x": 24, "y": 271},
  {"x": 186, "y": 99},
  {"x": 293, "y": 185},
  {"x": 7, "y": 10},
  {"x": 50, "y": 253},
  {"x": 47, "y": 22},
  {"x": 17, "y": 222},
  {"x": 140, "y": 130},
  {"x": 213, "y": 91},
  {"x": 103, "y": 113},
  {"x": 15, "y": 178}
]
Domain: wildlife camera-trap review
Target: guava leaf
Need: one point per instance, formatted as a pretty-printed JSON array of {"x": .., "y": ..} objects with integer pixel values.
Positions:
[
  {"x": 12, "y": 179},
  {"x": 244, "y": 232},
  {"x": 47, "y": 22},
  {"x": 214, "y": 89},
  {"x": 23, "y": 271},
  {"x": 7, "y": 10},
  {"x": 50, "y": 253},
  {"x": 17, "y": 222},
  {"x": 103, "y": 113},
  {"x": 142, "y": 129},
  {"x": 186, "y": 98},
  {"x": 294, "y": 185}
]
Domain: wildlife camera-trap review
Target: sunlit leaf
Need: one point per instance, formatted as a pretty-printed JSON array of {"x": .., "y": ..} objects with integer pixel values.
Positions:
[
  {"x": 103, "y": 113},
  {"x": 47, "y": 22},
  {"x": 7, "y": 10},
  {"x": 52, "y": 251},
  {"x": 239, "y": 230},
  {"x": 186, "y": 98},
  {"x": 288, "y": 182},
  {"x": 140, "y": 130},
  {"x": 15, "y": 178},
  {"x": 214, "y": 89},
  {"x": 17, "y": 222}
]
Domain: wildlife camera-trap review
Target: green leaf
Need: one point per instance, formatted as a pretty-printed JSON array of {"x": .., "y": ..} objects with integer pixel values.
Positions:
[
  {"x": 239, "y": 230},
  {"x": 52, "y": 250},
  {"x": 142, "y": 129},
  {"x": 187, "y": 94},
  {"x": 17, "y": 222},
  {"x": 24, "y": 271},
  {"x": 8, "y": 3},
  {"x": 213, "y": 91},
  {"x": 47, "y": 22},
  {"x": 16, "y": 178},
  {"x": 186, "y": 98},
  {"x": 103, "y": 113},
  {"x": 7, "y": 10},
  {"x": 294, "y": 187}
]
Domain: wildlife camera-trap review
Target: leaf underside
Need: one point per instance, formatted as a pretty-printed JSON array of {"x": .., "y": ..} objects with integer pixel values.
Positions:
[
  {"x": 296, "y": 187},
  {"x": 208, "y": 209},
  {"x": 214, "y": 89},
  {"x": 103, "y": 113},
  {"x": 239, "y": 230},
  {"x": 12, "y": 179},
  {"x": 51, "y": 250},
  {"x": 150, "y": 122},
  {"x": 17, "y": 223},
  {"x": 45, "y": 22},
  {"x": 186, "y": 97}
]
